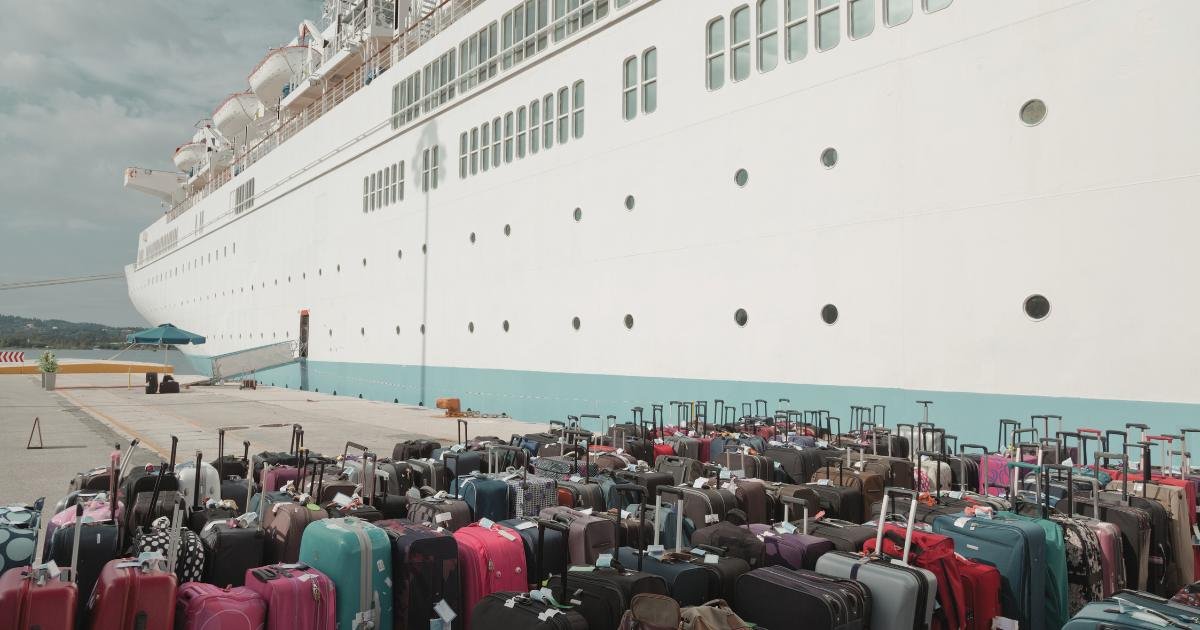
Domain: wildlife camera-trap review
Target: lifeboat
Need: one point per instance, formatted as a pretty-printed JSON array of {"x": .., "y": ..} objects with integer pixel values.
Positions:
[
  {"x": 236, "y": 114},
  {"x": 277, "y": 70},
  {"x": 189, "y": 155}
]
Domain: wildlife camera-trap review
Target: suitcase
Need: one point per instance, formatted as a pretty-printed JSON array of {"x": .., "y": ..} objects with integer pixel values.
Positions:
[
  {"x": 487, "y": 498},
  {"x": 357, "y": 557},
  {"x": 647, "y": 478},
  {"x": 138, "y": 592},
  {"x": 490, "y": 559},
  {"x": 901, "y": 595},
  {"x": 796, "y": 466},
  {"x": 205, "y": 503},
  {"x": 530, "y": 495},
  {"x": 777, "y": 597},
  {"x": 414, "y": 449},
  {"x": 205, "y": 607},
  {"x": 429, "y": 472},
  {"x": 520, "y": 611},
  {"x": 933, "y": 553},
  {"x": 751, "y": 495},
  {"x": 844, "y": 535},
  {"x": 42, "y": 597},
  {"x": 301, "y": 597},
  {"x": 440, "y": 511},
  {"x": 553, "y": 561},
  {"x": 231, "y": 465},
  {"x": 705, "y": 505},
  {"x": 589, "y": 535},
  {"x": 738, "y": 541},
  {"x": 790, "y": 546},
  {"x": 842, "y": 502},
  {"x": 425, "y": 572},
  {"x": 744, "y": 466},
  {"x": 232, "y": 547},
  {"x": 1129, "y": 610},
  {"x": 981, "y": 585},
  {"x": 687, "y": 583},
  {"x": 208, "y": 483},
  {"x": 681, "y": 469}
]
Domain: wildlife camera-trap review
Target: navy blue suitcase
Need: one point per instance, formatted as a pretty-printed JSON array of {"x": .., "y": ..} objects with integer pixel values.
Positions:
[
  {"x": 554, "y": 561},
  {"x": 487, "y": 498}
]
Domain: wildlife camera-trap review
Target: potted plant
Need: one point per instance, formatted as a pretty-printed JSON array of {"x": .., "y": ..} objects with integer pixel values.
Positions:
[{"x": 48, "y": 363}]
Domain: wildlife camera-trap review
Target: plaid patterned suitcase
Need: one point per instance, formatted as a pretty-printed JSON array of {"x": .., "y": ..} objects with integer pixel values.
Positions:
[{"x": 530, "y": 494}]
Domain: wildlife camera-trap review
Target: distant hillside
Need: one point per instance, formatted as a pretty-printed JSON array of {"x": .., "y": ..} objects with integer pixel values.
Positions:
[{"x": 23, "y": 332}]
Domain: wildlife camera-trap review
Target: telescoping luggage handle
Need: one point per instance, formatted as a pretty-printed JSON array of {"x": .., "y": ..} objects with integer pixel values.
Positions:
[
  {"x": 564, "y": 529},
  {"x": 196, "y": 488},
  {"x": 908, "y": 529},
  {"x": 983, "y": 465},
  {"x": 250, "y": 480},
  {"x": 678, "y": 493},
  {"x": 639, "y": 491},
  {"x": 495, "y": 452},
  {"x": 803, "y": 503},
  {"x": 1014, "y": 495},
  {"x": 1070, "y": 472}
]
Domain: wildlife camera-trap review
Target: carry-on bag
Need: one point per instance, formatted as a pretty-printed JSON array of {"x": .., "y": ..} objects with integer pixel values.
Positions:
[
  {"x": 138, "y": 592},
  {"x": 357, "y": 557},
  {"x": 298, "y": 597},
  {"x": 901, "y": 594}
]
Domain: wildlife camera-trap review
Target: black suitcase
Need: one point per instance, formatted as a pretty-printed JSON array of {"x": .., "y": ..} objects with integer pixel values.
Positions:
[
  {"x": 429, "y": 472},
  {"x": 687, "y": 583},
  {"x": 819, "y": 601},
  {"x": 414, "y": 449},
  {"x": 646, "y": 478},
  {"x": 425, "y": 571},
  {"x": 231, "y": 465},
  {"x": 840, "y": 502},
  {"x": 735, "y": 541},
  {"x": 844, "y": 535},
  {"x": 230, "y": 551},
  {"x": 553, "y": 561}
]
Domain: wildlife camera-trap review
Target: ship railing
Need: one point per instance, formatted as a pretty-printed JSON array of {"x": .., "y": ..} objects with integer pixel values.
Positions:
[{"x": 418, "y": 31}]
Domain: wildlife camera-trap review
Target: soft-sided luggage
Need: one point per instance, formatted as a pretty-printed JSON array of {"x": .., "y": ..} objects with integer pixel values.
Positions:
[
  {"x": 869, "y": 484},
  {"x": 487, "y": 498},
  {"x": 414, "y": 449},
  {"x": 751, "y": 495},
  {"x": 233, "y": 546},
  {"x": 790, "y": 546},
  {"x": 745, "y": 466},
  {"x": 777, "y": 597},
  {"x": 706, "y": 503},
  {"x": 681, "y": 469},
  {"x": 490, "y": 560},
  {"x": 738, "y": 541},
  {"x": 357, "y": 557},
  {"x": 901, "y": 595},
  {"x": 645, "y": 477},
  {"x": 552, "y": 560},
  {"x": 298, "y": 597},
  {"x": 844, "y": 535},
  {"x": 424, "y": 573},
  {"x": 934, "y": 553},
  {"x": 589, "y": 535},
  {"x": 159, "y": 536},
  {"x": 440, "y": 511},
  {"x": 687, "y": 583},
  {"x": 1129, "y": 610},
  {"x": 204, "y": 607}
]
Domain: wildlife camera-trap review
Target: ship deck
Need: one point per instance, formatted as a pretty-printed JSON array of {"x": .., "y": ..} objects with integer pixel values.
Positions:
[{"x": 88, "y": 413}]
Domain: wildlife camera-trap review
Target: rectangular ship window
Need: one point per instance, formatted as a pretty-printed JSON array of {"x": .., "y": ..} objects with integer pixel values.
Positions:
[{"x": 796, "y": 29}]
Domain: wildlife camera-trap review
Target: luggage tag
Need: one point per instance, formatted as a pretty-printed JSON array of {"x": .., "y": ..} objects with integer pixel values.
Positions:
[
  {"x": 486, "y": 523},
  {"x": 604, "y": 561},
  {"x": 656, "y": 551},
  {"x": 822, "y": 444},
  {"x": 1004, "y": 623},
  {"x": 342, "y": 500},
  {"x": 576, "y": 478},
  {"x": 824, "y": 482},
  {"x": 700, "y": 482},
  {"x": 711, "y": 558},
  {"x": 524, "y": 525},
  {"x": 786, "y": 528},
  {"x": 1196, "y": 534},
  {"x": 442, "y": 517}
]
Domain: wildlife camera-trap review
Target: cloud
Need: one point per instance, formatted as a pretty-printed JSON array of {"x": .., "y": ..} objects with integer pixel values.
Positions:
[{"x": 90, "y": 88}]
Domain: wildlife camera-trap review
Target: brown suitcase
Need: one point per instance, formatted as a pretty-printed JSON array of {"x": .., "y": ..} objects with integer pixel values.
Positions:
[{"x": 589, "y": 536}]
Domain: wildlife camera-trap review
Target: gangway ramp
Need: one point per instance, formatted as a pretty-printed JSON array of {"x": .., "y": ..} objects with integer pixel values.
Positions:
[{"x": 244, "y": 362}]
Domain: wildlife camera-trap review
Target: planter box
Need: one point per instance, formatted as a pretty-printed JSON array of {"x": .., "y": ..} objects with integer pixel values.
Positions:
[{"x": 48, "y": 380}]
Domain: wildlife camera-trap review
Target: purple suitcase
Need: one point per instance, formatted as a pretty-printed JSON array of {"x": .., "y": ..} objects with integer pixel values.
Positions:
[
  {"x": 788, "y": 545},
  {"x": 207, "y": 607}
]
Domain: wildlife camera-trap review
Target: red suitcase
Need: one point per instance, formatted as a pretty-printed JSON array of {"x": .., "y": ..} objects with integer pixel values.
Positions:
[
  {"x": 31, "y": 599},
  {"x": 134, "y": 593},
  {"x": 981, "y": 589}
]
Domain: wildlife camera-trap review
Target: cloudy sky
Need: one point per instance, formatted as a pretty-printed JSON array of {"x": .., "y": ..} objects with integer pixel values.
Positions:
[{"x": 86, "y": 89}]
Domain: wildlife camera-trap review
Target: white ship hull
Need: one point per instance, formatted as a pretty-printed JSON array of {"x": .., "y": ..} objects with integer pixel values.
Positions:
[{"x": 942, "y": 214}]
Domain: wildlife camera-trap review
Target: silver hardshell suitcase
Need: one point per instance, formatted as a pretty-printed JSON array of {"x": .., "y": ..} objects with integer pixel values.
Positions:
[{"x": 898, "y": 591}]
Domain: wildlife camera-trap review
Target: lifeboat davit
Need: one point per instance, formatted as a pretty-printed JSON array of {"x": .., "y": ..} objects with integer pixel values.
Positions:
[
  {"x": 189, "y": 155},
  {"x": 236, "y": 114},
  {"x": 275, "y": 71}
]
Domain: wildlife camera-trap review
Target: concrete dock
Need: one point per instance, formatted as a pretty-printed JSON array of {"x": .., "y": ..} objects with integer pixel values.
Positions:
[{"x": 88, "y": 414}]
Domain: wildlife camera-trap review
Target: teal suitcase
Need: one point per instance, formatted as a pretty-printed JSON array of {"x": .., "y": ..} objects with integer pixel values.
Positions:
[
  {"x": 357, "y": 557},
  {"x": 1130, "y": 610}
]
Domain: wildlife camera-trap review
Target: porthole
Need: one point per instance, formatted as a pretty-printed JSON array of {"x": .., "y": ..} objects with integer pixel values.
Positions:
[
  {"x": 629, "y": 321},
  {"x": 741, "y": 317},
  {"x": 470, "y": 327},
  {"x": 335, "y": 392},
  {"x": 1033, "y": 112},
  {"x": 303, "y": 276},
  {"x": 629, "y": 202},
  {"x": 829, "y": 157},
  {"x": 276, "y": 281},
  {"x": 1037, "y": 307},
  {"x": 472, "y": 237},
  {"x": 575, "y": 323},
  {"x": 829, "y": 314},
  {"x": 320, "y": 272},
  {"x": 399, "y": 254},
  {"x": 364, "y": 262},
  {"x": 741, "y": 177},
  {"x": 330, "y": 332},
  {"x": 289, "y": 279},
  {"x": 507, "y": 230},
  {"x": 362, "y": 332},
  {"x": 397, "y": 330},
  {"x": 505, "y": 325},
  {"x": 422, "y": 329},
  {"x": 339, "y": 268},
  {"x": 424, "y": 249},
  {"x": 578, "y": 214}
]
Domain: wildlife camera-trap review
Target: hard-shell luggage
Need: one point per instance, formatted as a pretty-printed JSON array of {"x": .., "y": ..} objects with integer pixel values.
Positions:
[
  {"x": 298, "y": 597},
  {"x": 38, "y": 598},
  {"x": 790, "y": 546},
  {"x": 190, "y": 558},
  {"x": 490, "y": 559},
  {"x": 1129, "y": 610},
  {"x": 589, "y": 535},
  {"x": 777, "y": 597},
  {"x": 425, "y": 573},
  {"x": 205, "y": 607},
  {"x": 134, "y": 593},
  {"x": 209, "y": 482},
  {"x": 901, "y": 595},
  {"x": 357, "y": 557}
]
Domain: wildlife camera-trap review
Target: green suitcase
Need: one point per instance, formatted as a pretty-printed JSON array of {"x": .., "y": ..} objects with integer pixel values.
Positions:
[{"x": 357, "y": 557}]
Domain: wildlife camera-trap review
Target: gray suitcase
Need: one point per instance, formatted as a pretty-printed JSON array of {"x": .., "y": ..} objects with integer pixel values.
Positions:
[{"x": 898, "y": 591}]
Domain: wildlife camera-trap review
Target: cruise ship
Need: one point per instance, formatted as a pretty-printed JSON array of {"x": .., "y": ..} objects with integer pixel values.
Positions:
[{"x": 552, "y": 207}]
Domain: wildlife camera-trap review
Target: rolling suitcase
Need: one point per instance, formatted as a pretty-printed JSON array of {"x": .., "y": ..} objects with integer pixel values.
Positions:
[
  {"x": 844, "y": 535},
  {"x": 516, "y": 610},
  {"x": 751, "y": 495},
  {"x": 777, "y": 597},
  {"x": 487, "y": 498},
  {"x": 1129, "y": 610},
  {"x": 705, "y": 503},
  {"x": 138, "y": 592},
  {"x": 901, "y": 595},
  {"x": 681, "y": 469},
  {"x": 282, "y": 535},
  {"x": 357, "y": 557},
  {"x": 159, "y": 537},
  {"x": 687, "y": 583},
  {"x": 205, "y": 607},
  {"x": 42, "y": 597},
  {"x": 738, "y": 541},
  {"x": 551, "y": 560},
  {"x": 490, "y": 559},
  {"x": 440, "y": 511},
  {"x": 301, "y": 597},
  {"x": 934, "y": 553},
  {"x": 425, "y": 573},
  {"x": 788, "y": 546},
  {"x": 589, "y": 535}
]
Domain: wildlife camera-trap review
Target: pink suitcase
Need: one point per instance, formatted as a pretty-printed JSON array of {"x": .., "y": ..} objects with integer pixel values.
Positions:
[
  {"x": 490, "y": 560},
  {"x": 298, "y": 597},
  {"x": 206, "y": 607},
  {"x": 93, "y": 511},
  {"x": 994, "y": 477},
  {"x": 278, "y": 476}
]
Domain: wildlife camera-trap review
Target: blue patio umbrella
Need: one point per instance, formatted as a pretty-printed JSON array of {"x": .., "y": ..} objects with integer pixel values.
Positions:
[{"x": 164, "y": 335}]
